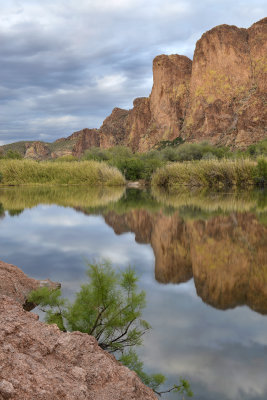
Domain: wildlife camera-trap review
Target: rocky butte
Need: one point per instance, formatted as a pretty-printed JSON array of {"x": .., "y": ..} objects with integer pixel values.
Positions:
[
  {"x": 218, "y": 97},
  {"x": 39, "y": 362}
]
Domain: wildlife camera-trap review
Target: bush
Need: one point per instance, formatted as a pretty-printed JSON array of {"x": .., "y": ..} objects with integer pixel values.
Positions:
[
  {"x": 96, "y": 153},
  {"x": 13, "y": 155},
  {"x": 109, "y": 307},
  {"x": 67, "y": 158},
  {"x": 258, "y": 149},
  {"x": 260, "y": 177}
]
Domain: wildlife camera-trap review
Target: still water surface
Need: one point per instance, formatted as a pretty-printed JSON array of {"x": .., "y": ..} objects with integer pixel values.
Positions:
[{"x": 201, "y": 258}]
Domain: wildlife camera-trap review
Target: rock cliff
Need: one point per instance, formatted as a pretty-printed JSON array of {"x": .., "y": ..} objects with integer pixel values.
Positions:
[
  {"x": 219, "y": 97},
  {"x": 38, "y": 361}
]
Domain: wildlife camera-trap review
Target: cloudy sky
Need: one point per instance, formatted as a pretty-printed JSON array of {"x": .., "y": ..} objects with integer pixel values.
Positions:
[{"x": 65, "y": 64}]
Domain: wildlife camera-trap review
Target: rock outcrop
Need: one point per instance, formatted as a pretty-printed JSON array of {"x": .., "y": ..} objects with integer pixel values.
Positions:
[
  {"x": 37, "y": 151},
  {"x": 15, "y": 284},
  {"x": 38, "y": 361},
  {"x": 226, "y": 255},
  {"x": 85, "y": 139},
  {"x": 219, "y": 97}
]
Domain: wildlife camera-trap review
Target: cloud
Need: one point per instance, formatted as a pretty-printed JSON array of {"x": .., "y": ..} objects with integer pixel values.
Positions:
[{"x": 79, "y": 60}]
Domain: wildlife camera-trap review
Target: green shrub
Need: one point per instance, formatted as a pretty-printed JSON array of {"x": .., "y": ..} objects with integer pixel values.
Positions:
[
  {"x": 260, "y": 177},
  {"x": 96, "y": 153},
  {"x": 132, "y": 168},
  {"x": 109, "y": 307},
  {"x": 13, "y": 155},
  {"x": 193, "y": 151},
  {"x": 258, "y": 149},
  {"x": 67, "y": 158}
]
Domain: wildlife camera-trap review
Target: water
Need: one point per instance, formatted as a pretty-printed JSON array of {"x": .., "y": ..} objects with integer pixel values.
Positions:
[{"x": 201, "y": 258}]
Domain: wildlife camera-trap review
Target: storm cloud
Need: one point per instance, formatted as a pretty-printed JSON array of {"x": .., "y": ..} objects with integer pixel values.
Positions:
[{"x": 64, "y": 65}]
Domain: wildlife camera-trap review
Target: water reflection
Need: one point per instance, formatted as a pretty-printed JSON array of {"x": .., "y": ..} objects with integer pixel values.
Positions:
[
  {"x": 226, "y": 255},
  {"x": 219, "y": 240}
]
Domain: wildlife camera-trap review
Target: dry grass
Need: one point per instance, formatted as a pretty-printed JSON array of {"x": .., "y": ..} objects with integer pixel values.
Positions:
[
  {"x": 92, "y": 173},
  {"x": 205, "y": 173}
]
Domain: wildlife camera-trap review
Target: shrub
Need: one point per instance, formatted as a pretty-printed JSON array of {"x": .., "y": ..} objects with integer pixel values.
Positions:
[
  {"x": 260, "y": 177},
  {"x": 109, "y": 307},
  {"x": 67, "y": 158},
  {"x": 13, "y": 155},
  {"x": 96, "y": 153}
]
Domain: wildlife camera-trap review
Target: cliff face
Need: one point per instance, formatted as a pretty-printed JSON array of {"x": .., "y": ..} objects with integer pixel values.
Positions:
[
  {"x": 37, "y": 151},
  {"x": 227, "y": 102},
  {"x": 159, "y": 117},
  {"x": 225, "y": 255},
  {"x": 219, "y": 97},
  {"x": 38, "y": 361}
]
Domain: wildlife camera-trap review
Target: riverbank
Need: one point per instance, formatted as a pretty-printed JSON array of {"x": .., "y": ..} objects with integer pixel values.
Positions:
[
  {"x": 212, "y": 174},
  {"x": 92, "y": 173}
]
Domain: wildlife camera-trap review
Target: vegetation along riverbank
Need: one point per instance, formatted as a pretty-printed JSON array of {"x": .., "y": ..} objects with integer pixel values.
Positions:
[
  {"x": 171, "y": 165},
  {"x": 19, "y": 172}
]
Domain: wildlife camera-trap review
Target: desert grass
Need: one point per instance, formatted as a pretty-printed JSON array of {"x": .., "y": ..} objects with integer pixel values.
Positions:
[
  {"x": 206, "y": 173},
  {"x": 91, "y": 173}
]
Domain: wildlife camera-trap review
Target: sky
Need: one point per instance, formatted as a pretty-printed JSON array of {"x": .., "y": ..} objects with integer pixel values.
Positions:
[{"x": 65, "y": 64}]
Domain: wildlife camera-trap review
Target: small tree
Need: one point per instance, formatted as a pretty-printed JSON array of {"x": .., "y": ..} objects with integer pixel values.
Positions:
[{"x": 109, "y": 307}]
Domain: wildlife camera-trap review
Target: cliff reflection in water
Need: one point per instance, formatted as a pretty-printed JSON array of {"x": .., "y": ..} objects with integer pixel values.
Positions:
[
  {"x": 208, "y": 238},
  {"x": 226, "y": 255}
]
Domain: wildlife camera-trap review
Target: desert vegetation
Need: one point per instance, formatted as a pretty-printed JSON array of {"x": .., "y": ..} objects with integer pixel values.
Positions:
[
  {"x": 217, "y": 166},
  {"x": 109, "y": 307},
  {"x": 142, "y": 165},
  {"x": 212, "y": 174},
  {"x": 19, "y": 172}
]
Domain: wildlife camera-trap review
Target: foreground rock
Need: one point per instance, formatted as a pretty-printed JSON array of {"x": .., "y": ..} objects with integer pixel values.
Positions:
[
  {"x": 38, "y": 361},
  {"x": 15, "y": 284}
]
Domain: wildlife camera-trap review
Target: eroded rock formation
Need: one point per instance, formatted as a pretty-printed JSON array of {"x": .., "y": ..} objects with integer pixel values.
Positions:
[
  {"x": 38, "y": 361},
  {"x": 226, "y": 255},
  {"x": 15, "y": 284},
  {"x": 37, "y": 151},
  {"x": 220, "y": 96}
]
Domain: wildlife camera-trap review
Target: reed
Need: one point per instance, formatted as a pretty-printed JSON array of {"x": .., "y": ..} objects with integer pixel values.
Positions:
[
  {"x": 206, "y": 173},
  {"x": 92, "y": 173}
]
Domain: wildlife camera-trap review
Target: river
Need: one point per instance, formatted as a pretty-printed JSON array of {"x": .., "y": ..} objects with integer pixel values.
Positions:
[{"x": 201, "y": 258}]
